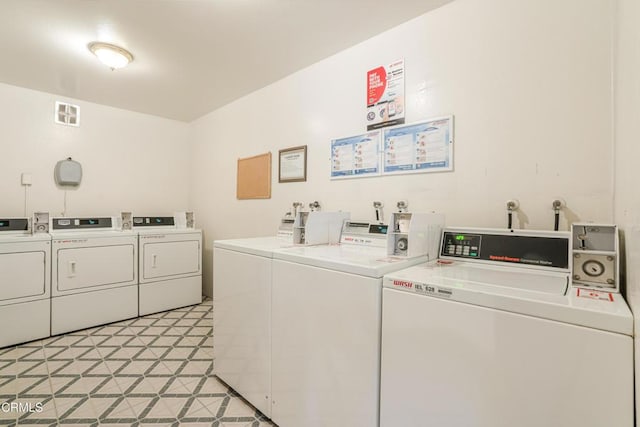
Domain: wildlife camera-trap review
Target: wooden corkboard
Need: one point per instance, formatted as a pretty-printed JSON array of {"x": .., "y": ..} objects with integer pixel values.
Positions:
[{"x": 254, "y": 177}]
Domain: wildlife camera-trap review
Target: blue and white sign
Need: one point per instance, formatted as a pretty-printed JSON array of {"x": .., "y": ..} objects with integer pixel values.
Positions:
[
  {"x": 356, "y": 156},
  {"x": 419, "y": 147}
]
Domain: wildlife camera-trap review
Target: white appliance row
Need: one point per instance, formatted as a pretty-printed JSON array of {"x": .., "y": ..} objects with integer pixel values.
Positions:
[
  {"x": 89, "y": 271},
  {"x": 491, "y": 333},
  {"x": 297, "y": 328},
  {"x": 242, "y": 300}
]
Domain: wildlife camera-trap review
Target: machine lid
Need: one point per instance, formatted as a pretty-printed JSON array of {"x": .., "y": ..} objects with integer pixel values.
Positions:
[
  {"x": 260, "y": 246},
  {"x": 361, "y": 260},
  {"x": 538, "y": 293},
  {"x": 500, "y": 280}
]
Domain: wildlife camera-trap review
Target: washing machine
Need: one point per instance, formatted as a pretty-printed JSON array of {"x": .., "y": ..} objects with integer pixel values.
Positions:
[
  {"x": 25, "y": 274},
  {"x": 242, "y": 300},
  {"x": 326, "y": 312},
  {"x": 242, "y": 315},
  {"x": 170, "y": 264},
  {"x": 494, "y": 334},
  {"x": 94, "y": 273}
]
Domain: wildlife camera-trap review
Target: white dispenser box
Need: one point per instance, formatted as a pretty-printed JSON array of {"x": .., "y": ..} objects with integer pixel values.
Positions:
[
  {"x": 40, "y": 223},
  {"x": 316, "y": 228},
  {"x": 312, "y": 228},
  {"x": 361, "y": 233},
  {"x": 596, "y": 259},
  {"x": 413, "y": 234},
  {"x": 285, "y": 229},
  {"x": 185, "y": 220}
]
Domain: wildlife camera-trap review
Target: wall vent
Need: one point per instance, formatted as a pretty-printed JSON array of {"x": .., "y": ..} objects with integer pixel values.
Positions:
[{"x": 67, "y": 114}]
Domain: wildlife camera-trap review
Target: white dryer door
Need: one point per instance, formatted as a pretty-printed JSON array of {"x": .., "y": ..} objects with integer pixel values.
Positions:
[
  {"x": 170, "y": 259},
  {"x": 22, "y": 275},
  {"x": 90, "y": 267}
]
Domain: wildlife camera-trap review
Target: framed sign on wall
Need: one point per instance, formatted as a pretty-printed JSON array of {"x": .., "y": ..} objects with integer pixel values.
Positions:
[
  {"x": 419, "y": 147},
  {"x": 292, "y": 165}
]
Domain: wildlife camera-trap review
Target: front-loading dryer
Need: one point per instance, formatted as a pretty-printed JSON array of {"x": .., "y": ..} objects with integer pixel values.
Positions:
[
  {"x": 94, "y": 273},
  {"x": 25, "y": 271},
  {"x": 170, "y": 264}
]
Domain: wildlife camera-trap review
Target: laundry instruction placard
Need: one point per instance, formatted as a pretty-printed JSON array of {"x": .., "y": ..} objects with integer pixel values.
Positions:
[
  {"x": 385, "y": 95},
  {"x": 419, "y": 147},
  {"x": 356, "y": 156}
]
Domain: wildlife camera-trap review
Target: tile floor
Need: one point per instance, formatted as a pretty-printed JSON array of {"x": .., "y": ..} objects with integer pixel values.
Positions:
[{"x": 150, "y": 371}]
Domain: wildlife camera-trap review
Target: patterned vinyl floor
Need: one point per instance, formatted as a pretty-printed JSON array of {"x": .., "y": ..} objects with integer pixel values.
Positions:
[{"x": 149, "y": 371}]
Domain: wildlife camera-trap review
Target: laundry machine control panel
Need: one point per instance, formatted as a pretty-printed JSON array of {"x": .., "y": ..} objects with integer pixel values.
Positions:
[
  {"x": 364, "y": 233},
  {"x": 81, "y": 223},
  {"x": 14, "y": 224},
  {"x": 461, "y": 244},
  {"x": 153, "y": 221},
  {"x": 286, "y": 227},
  {"x": 530, "y": 248}
]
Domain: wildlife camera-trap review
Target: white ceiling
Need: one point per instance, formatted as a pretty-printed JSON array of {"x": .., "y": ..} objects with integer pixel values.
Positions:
[{"x": 191, "y": 56}]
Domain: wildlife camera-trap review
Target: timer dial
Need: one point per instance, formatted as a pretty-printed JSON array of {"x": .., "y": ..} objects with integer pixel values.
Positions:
[{"x": 593, "y": 268}]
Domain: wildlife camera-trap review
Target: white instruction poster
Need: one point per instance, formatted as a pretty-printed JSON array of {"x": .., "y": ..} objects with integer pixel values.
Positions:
[
  {"x": 420, "y": 147},
  {"x": 356, "y": 156},
  {"x": 385, "y": 95}
]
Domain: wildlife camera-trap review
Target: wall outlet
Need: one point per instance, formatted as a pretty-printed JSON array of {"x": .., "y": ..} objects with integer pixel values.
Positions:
[{"x": 26, "y": 179}]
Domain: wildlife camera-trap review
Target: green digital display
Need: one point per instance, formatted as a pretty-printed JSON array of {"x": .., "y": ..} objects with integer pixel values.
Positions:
[{"x": 459, "y": 237}]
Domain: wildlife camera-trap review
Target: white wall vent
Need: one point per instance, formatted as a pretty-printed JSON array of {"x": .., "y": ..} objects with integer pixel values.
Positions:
[{"x": 67, "y": 114}]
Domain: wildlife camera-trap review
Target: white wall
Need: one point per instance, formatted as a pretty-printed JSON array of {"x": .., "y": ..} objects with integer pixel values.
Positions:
[
  {"x": 131, "y": 161},
  {"x": 627, "y": 143},
  {"x": 529, "y": 83}
]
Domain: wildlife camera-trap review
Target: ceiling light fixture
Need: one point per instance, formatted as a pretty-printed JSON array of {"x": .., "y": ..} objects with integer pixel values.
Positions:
[{"x": 111, "y": 55}]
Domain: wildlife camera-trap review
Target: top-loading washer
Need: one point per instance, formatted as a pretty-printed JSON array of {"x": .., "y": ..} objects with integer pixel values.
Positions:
[
  {"x": 242, "y": 302},
  {"x": 242, "y": 315},
  {"x": 170, "y": 264},
  {"x": 494, "y": 334},
  {"x": 94, "y": 273},
  {"x": 326, "y": 311},
  {"x": 25, "y": 274}
]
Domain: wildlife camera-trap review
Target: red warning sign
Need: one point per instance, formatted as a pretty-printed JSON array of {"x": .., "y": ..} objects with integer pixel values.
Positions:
[{"x": 591, "y": 294}]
